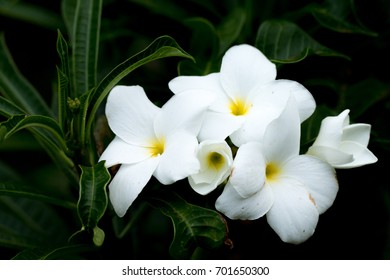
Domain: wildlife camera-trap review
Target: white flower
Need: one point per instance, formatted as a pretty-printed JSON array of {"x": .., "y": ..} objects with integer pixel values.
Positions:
[
  {"x": 341, "y": 144},
  {"x": 150, "y": 141},
  {"x": 272, "y": 179},
  {"x": 215, "y": 159},
  {"x": 248, "y": 97}
]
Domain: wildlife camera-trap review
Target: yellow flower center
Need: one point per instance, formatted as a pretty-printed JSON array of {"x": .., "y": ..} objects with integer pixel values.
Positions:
[
  {"x": 239, "y": 107},
  {"x": 157, "y": 147},
  {"x": 216, "y": 160},
  {"x": 272, "y": 171}
]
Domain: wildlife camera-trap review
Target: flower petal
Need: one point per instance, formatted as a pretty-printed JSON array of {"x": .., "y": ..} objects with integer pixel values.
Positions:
[
  {"x": 218, "y": 126},
  {"x": 244, "y": 67},
  {"x": 211, "y": 173},
  {"x": 331, "y": 130},
  {"x": 317, "y": 177},
  {"x": 293, "y": 216},
  {"x": 248, "y": 171},
  {"x": 209, "y": 83},
  {"x": 256, "y": 122},
  {"x": 330, "y": 155},
  {"x": 359, "y": 132},
  {"x": 361, "y": 155},
  {"x": 130, "y": 114},
  {"x": 129, "y": 182},
  {"x": 282, "y": 136},
  {"x": 179, "y": 158},
  {"x": 182, "y": 112},
  {"x": 120, "y": 152},
  {"x": 281, "y": 90},
  {"x": 235, "y": 207}
]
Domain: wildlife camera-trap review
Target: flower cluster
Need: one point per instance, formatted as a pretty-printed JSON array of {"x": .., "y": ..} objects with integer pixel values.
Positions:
[{"x": 243, "y": 106}]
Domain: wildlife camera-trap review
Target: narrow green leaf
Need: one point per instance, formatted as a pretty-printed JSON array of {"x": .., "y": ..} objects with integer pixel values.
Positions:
[
  {"x": 48, "y": 134},
  {"x": 34, "y": 14},
  {"x": 63, "y": 79},
  {"x": 8, "y": 108},
  {"x": 16, "y": 87},
  {"x": 21, "y": 190},
  {"x": 93, "y": 199},
  {"x": 44, "y": 129},
  {"x": 162, "y": 47},
  {"x": 86, "y": 31},
  {"x": 19, "y": 122},
  {"x": 285, "y": 42},
  {"x": 68, "y": 15},
  {"x": 63, "y": 93},
  {"x": 193, "y": 225}
]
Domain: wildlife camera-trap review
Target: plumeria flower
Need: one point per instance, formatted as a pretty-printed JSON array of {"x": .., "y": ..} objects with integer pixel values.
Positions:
[
  {"x": 247, "y": 95},
  {"x": 272, "y": 179},
  {"x": 150, "y": 141},
  {"x": 341, "y": 144},
  {"x": 215, "y": 159}
]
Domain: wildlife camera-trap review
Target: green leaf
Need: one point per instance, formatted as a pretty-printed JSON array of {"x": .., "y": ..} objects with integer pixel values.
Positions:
[
  {"x": 85, "y": 39},
  {"x": 16, "y": 87},
  {"x": 193, "y": 225},
  {"x": 162, "y": 47},
  {"x": 34, "y": 14},
  {"x": 26, "y": 223},
  {"x": 63, "y": 93},
  {"x": 21, "y": 190},
  {"x": 285, "y": 42},
  {"x": 63, "y": 77},
  {"x": 68, "y": 15},
  {"x": 48, "y": 134},
  {"x": 93, "y": 199},
  {"x": 19, "y": 122},
  {"x": 335, "y": 14},
  {"x": 8, "y": 108}
]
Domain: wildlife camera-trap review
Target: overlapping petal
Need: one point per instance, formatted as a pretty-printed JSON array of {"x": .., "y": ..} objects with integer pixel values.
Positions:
[
  {"x": 182, "y": 112},
  {"x": 282, "y": 136},
  {"x": 248, "y": 171},
  {"x": 333, "y": 156},
  {"x": 331, "y": 130},
  {"x": 215, "y": 159},
  {"x": 128, "y": 183},
  {"x": 293, "y": 215},
  {"x": 361, "y": 155},
  {"x": 358, "y": 132},
  {"x": 179, "y": 158},
  {"x": 120, "y": 152},
  {"x": 218, "y": 126},
  {"x": 343, "y": 145},
  {"x": 316, "y": 176},
  {"x": 236, "y": 207}
]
